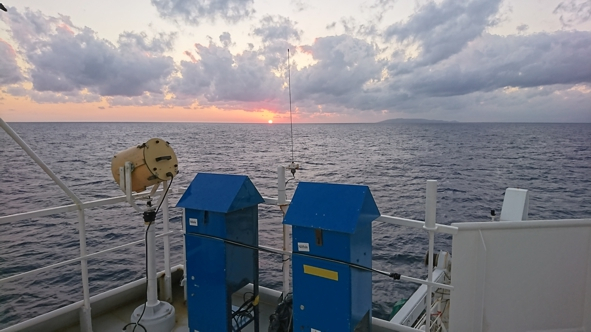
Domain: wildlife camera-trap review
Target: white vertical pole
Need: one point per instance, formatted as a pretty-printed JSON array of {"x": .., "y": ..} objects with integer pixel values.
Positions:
[
  {"x": 128, "y": 191},
  {"x": 281, "y": 197},
  {"x": 282, "y": 202},
  {"x": 85, "y": 316},
  {"x": 430, "y": 218},
  {"x": 167, "y": 274},
  {"x": 128, "y": 181},
  {"x": 152, "y": 293},
  {"x": 122, "y": 179}
]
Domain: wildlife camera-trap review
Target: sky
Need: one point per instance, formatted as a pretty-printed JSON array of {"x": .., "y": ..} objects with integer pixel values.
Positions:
[{"x": 349, "y": 61}]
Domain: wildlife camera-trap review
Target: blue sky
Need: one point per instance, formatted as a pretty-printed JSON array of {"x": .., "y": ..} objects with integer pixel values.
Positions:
[{"x": 353, "y": 61}]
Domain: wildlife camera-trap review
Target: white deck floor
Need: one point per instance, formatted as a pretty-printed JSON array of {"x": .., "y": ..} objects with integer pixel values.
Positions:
[{"x": 113, "y": 321}]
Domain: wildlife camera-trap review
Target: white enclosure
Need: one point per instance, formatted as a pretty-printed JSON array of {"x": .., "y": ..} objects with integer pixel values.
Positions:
[
  {"x": 521, "y": 276},
  {"x": 515, "y": 205}
]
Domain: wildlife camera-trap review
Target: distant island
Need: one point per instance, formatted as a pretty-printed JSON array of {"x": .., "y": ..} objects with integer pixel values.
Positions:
[{"x": 416, "y": 121}]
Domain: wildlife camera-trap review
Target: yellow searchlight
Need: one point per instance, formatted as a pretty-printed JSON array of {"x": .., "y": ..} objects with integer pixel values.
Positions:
[{"x": 151, "y": 163}]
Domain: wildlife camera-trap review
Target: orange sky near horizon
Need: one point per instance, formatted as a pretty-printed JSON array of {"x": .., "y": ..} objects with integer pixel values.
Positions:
[
  {"x": 25, "y": 110},
  {"x": 22, "y": 109}
]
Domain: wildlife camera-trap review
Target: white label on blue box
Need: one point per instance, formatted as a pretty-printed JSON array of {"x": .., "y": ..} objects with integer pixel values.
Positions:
[
  {"x": 193, "y": 221},
  {"x": 314, "y": 330},
  {"x": 303, "y": 246}
]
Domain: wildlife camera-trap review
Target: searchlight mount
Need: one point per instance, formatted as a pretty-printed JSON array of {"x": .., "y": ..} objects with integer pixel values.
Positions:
[{"x": 136, "y": 169}]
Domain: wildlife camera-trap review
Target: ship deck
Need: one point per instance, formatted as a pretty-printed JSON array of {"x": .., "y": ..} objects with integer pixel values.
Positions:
[{"x": 112, "y": 313}]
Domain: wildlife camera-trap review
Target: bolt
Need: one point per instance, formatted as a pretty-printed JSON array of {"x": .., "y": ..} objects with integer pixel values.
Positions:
[{"x": 302, "y": 307}]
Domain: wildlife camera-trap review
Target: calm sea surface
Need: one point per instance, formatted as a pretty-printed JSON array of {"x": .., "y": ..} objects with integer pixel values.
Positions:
[{"x": 473, "y": 163}]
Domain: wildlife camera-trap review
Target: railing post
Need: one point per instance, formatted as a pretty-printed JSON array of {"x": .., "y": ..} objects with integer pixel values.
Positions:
[
  {"x": 282, "y": 202},
  {"x": 167, "y": 274},
  {"x": 431, "y": 227},
  {"x": 85, "y": 314}
]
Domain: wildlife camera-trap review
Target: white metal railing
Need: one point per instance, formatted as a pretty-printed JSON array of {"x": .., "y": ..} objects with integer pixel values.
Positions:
[
  {"x": 86, "y": 325},
  {"x": 85, "y": 315}
]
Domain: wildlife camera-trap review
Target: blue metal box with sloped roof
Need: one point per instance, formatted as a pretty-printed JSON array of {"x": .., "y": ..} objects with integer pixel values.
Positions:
[
  {"x": 331, "y": 231},
  {"x": 221, "y": 224}
]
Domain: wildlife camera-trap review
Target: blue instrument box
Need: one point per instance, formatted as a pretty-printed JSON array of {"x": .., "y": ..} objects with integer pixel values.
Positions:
[
  {"x": 219, "y": 207},
  {"x": 331, "y": 228}
]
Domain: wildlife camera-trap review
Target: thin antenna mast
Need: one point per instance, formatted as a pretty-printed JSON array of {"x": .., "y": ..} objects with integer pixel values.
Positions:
[
  {"x": 289, "y": 88},
  {"x": 293, "y": 166}
]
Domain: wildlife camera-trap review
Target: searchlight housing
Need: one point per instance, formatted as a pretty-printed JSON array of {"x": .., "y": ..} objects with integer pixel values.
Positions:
[{"x": 151, "y": 163}]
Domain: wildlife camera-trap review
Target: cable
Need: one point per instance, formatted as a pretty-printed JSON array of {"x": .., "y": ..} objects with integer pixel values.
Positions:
[
  {"x": 244, "y": 312},
  {"x": 146, "y": 242},
  {"x": 143, "y": 327},
  {"x": 393, "y": 275}
]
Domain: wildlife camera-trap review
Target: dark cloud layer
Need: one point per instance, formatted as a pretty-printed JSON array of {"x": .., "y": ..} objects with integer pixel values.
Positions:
[
  {"x": 196, "y": 12},
  {"x": 65, "y": 58},
  {"x": 494, "y": 62},
  {"x": 9, "y": 71},
  {"x": 489, "y": 63},
  {"x": 442, "y": 30}
]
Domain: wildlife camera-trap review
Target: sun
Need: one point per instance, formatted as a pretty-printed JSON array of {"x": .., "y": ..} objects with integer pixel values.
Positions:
[{"x": 270, "y": 121}]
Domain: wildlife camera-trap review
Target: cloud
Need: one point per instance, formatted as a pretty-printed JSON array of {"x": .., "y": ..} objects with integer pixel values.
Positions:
[
  {"x": 250, "y": 80},
  {"x": 224, "y": 79},
  {"x": 10, "y": 72},
  {"x": 226, "y": 39},
  {"x": 299, "y": 5},
  {"x": 492, "y": 72},
  {"x": 352, "y": 28},
  {"x": 522, "y": 28},
  {"x": 573, "y": 12},
  {"x": 277, "y": 28},
  {"x": 443, "y": 29},
  {"x": 380, "y": 8},
  {"x": 46, "y": 97},
  {"x": 494, "y": 62},
  {"x": 196, "y": 12},
  {"x": 347, "y": 75},
  {"x": 65, "y": 58},
  {"x": 140, "y": 42},
  {"x": 146, "y": 99},
  {"x": 343, "y": 66}
]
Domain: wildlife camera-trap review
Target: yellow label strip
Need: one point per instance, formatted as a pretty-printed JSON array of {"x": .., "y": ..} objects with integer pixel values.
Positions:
[{"x": 324, "y": 273}]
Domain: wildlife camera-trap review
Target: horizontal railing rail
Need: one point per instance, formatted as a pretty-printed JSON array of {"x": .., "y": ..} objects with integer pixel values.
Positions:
[{"x": 77, "y": 259}]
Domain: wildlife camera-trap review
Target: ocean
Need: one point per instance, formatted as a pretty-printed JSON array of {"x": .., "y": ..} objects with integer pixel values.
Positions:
[{"x": 473, "y": 162}]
